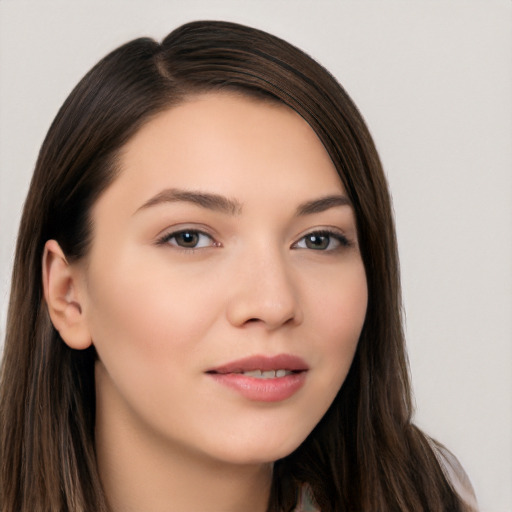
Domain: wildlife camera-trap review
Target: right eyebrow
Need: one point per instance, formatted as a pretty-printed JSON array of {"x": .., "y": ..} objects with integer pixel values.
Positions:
[{"x": 203, "y": 199}]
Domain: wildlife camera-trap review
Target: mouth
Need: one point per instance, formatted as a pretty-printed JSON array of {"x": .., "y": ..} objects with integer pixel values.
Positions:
[
  {"x": 263, "y": 367},
  {"x": 263, "y": 378}
]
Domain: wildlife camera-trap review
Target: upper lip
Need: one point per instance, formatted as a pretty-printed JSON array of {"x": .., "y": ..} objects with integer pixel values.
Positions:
[{"x": 264, "y": 363}]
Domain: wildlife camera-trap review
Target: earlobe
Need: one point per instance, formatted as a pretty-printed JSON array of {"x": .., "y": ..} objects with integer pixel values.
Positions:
[{"x": 62, "y": 296}]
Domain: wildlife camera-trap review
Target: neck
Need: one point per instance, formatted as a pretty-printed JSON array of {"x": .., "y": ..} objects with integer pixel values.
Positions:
[{"x": 140, "y": 471}]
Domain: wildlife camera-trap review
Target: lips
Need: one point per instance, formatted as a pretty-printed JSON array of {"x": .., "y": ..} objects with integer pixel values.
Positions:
[
  {"x": 263, "y": 378},
  {"x": 263, "y": 363}
]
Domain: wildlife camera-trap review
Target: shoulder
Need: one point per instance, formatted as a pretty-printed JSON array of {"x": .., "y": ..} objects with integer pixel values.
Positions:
[{"x": 456, "y": 475}]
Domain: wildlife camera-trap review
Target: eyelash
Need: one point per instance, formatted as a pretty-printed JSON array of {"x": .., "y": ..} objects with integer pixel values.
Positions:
[
  {"x": 330, "y": 235},
  {"x": 165, "y": 240}
]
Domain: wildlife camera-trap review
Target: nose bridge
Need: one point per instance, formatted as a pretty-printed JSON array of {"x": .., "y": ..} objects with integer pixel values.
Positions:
[{"x": 264, "y": 290}]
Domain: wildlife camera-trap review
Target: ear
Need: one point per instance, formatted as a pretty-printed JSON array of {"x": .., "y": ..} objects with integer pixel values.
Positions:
[{"x": 61, "y": 292}]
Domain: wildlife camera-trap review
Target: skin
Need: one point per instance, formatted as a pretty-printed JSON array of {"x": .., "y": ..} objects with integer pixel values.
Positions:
[{"x": 160, "y": 315}]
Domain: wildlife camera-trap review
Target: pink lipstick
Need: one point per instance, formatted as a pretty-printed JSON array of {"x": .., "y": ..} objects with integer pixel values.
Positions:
[{"x": 263, "y": 378}]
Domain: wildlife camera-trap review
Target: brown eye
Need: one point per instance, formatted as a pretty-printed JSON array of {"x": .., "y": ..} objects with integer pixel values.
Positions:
[{"x": 188, "y": 239}]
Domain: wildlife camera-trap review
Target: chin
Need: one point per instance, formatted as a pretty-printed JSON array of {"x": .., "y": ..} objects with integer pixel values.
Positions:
[{"x": 261, "y": 450}]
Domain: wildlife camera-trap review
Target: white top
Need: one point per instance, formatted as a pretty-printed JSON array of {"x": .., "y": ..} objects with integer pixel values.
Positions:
[
  {"x": 452, "y": 470},
  {"x": 456, "y": 475}
]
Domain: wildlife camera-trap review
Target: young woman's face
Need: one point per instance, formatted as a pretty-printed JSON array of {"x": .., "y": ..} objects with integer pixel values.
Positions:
[{"x": 226, "y": 247}]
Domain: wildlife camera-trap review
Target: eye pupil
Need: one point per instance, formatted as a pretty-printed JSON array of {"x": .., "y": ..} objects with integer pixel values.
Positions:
[
  {"x": 317, "y": 241},
  {"x": 187, "y": 239}
]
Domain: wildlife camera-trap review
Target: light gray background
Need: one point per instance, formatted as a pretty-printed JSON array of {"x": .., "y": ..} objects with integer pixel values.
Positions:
[{"x": 434, "y": 81}]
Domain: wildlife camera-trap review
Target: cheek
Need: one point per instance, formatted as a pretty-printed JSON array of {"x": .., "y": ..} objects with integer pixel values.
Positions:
[
  {"x": 146, "y": 333},
  {"x": 340, "y": 306},
  {"x": 340, "y": 313},
  {"x": 146, "y": 315}
]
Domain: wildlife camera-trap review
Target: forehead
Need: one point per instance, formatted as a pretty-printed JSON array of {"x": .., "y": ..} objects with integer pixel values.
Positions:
[{"x": 227, "y": 136}]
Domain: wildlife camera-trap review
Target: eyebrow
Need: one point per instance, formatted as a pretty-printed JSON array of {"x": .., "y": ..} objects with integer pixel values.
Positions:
[
  {"x": 322, "y": 204},
  {"x": 229, "y": 206},
  {"x": 204, "y": 199}
]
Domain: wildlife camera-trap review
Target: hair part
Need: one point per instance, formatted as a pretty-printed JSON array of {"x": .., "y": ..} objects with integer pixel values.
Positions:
[{"x": 364, "y": 454}]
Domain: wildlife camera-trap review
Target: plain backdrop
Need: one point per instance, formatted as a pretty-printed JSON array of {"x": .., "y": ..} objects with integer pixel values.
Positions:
[{"x": 434, "y": 81}]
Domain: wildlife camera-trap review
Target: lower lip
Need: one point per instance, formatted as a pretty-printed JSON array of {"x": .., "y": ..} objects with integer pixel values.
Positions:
[{"x": 262, "y": 390}]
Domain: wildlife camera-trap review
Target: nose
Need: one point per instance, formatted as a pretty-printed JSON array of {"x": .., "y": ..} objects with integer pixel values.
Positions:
[{"x": 264, "y": 292}]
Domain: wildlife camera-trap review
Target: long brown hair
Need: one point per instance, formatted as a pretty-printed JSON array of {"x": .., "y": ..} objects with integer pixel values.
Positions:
[{"x": 365, "y": 454}]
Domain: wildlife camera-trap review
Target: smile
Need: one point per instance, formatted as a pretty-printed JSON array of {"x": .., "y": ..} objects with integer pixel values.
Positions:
[
  {"x": 268, "y": 374},
  {"x": 263, "y": 378}
]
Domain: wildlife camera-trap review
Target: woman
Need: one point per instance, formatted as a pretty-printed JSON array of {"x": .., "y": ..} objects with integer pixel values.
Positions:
[{"x": 218, "y": 321}]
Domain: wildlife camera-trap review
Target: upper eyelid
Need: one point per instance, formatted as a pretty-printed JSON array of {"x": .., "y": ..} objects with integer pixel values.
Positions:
[
  {"x": 171, "y": 231},
  {"x": 330, "y": 230}
]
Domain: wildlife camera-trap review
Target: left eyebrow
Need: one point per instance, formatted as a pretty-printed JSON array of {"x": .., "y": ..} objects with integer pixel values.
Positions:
[{"x": 322, "y": 204}]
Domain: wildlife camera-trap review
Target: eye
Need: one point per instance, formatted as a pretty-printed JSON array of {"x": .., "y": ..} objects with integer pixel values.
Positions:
[
  {"x": 322, "y": 241},
  {"x": 188, "y": 239}
]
